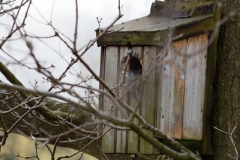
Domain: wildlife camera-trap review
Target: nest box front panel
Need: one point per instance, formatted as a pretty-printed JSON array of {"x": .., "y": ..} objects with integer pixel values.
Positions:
[{"x": 172, "y": 95}]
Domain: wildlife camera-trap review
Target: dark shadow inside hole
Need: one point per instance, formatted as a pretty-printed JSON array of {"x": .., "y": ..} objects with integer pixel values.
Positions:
[{"x": 135, "y": 65}]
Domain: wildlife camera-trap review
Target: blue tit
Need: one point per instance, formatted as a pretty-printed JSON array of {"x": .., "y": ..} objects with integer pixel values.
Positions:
[
  {"x": 131, "y": 80},
  {"x": 129, "y": 51},
  {"x": 134, "y": 70}
]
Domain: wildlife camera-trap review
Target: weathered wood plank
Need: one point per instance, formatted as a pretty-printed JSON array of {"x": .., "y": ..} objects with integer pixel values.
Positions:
[
  {"x": 111, "y": 61},
  {"x": 148, "y": 101},
  {"x": 132, "y": 136},
  {"x": 102, "y": 73},
  {"x": 121, "y": 141},
  {"x": 159, "y": 67},
  {"x": 195, "y": 88},
  {"x": 172, "y": 90}
]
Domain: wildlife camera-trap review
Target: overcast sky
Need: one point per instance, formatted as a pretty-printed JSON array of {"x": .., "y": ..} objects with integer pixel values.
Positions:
[{"x": 62, "y": 14}]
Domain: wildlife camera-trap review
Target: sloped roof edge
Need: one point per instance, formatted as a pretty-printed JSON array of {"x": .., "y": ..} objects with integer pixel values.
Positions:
[{"x": 160, "y": 21}]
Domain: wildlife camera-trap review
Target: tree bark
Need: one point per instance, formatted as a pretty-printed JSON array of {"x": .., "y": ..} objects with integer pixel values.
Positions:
[{"x": 227, "y": 98}]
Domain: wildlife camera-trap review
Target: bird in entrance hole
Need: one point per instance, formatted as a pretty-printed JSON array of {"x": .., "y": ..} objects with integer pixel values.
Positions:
[{"x": 133, "y": 72}]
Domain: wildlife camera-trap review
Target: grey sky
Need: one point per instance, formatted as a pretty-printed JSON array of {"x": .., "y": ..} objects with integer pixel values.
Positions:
[{"x": 63, "y": 18}]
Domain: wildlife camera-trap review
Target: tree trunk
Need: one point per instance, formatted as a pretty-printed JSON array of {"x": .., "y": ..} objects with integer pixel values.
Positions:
[{"x": 226, "y": 108}]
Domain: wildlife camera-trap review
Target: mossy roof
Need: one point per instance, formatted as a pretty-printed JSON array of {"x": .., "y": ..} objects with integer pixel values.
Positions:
[{"x": 183, "y": 18}]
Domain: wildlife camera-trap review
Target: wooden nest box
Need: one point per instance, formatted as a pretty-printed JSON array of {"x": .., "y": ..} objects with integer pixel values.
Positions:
[{"x": 172, "y": 44}]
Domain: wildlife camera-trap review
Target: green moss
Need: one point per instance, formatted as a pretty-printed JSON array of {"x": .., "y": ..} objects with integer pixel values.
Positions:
[
  {"x": 156, "y": 38},
  {"x": 133, "y": 38}
]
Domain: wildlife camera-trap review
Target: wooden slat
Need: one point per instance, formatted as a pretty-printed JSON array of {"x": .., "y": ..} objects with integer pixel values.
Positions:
[
  {"x": 195, "y": 88},
  {"x": 159, "y": 68},
  {"x": 111, "y": 61},
  {"x": 148, "y": 100},
  {"x": 121, "y": 141},
  {"x": 102, "y": 72},
  {"x": 132, "y": 136},
  {"x": 172, "y": 90}
]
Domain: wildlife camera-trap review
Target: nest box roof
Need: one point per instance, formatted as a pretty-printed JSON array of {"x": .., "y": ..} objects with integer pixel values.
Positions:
[{"x": 181, "y": 19}]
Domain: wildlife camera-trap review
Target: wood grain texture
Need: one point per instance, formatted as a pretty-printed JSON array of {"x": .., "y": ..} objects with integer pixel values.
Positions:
[
  {"x": 172, "y": 90},
  {"x": 195, "y": 87},
  {"x": 121, "y": 139},
  {"x": 148, "y": 100},
  {"x": 132, "y": 136},
  {"x": 111, "y": 61},
  {"x": 102, "y": 73}
]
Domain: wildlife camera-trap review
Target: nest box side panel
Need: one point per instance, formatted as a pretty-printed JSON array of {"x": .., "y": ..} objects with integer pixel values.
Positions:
[
  {"x": 172, "y": 89},
  {"x": 110, "y": 77},
  {"x": 148, "y": 96},
  {"x": 195, "y": 87}
]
